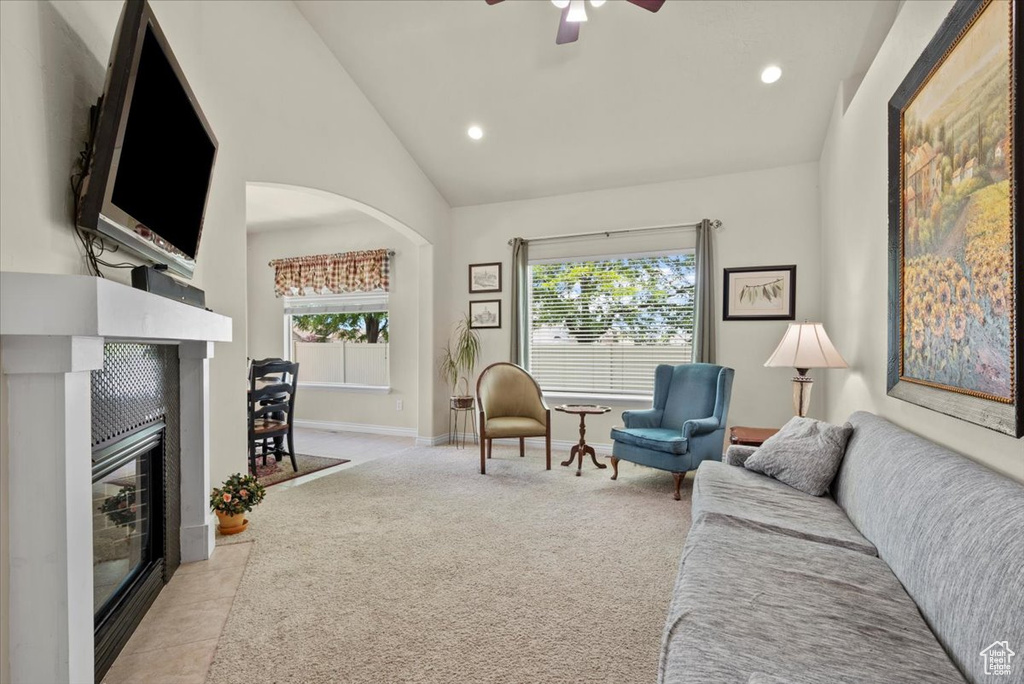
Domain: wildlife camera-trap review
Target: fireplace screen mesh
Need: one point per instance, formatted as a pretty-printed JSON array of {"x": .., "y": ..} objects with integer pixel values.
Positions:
[{"x": 138, "y": 385}]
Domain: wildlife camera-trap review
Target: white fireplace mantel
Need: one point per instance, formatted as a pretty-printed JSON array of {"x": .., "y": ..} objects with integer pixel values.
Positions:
[{"x": 52, "y": 331}]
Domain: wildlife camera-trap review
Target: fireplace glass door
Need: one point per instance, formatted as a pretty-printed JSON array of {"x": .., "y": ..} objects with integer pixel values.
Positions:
[{"x": 126, "y": 515}]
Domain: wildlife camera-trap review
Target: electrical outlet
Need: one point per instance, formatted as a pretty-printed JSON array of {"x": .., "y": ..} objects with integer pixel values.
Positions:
[{"x": 398, "y": 405}]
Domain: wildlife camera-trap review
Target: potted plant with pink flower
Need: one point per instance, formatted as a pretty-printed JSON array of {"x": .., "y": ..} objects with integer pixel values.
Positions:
[{"x": 232, "y": 500}]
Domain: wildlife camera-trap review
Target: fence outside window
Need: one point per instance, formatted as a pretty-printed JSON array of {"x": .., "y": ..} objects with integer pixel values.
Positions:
[{"x": 343, "y": 363}]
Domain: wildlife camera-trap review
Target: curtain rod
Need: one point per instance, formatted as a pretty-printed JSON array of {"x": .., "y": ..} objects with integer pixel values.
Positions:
[{"x": 715, "y": 224}]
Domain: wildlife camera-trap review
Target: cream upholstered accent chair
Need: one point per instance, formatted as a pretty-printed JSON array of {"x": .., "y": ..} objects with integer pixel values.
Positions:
[{"x": 511, "y": 405}]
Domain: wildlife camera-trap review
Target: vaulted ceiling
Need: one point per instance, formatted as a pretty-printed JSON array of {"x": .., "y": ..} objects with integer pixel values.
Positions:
[{"x": 640, "y": 98}]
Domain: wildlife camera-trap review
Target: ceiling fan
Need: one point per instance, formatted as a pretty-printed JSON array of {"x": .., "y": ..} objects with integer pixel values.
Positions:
[{"x": 574, "y": 13}]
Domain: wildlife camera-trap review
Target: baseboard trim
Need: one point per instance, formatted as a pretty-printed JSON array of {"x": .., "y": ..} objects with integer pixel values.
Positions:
[
  {"x": 436, "y": 440},
  {"x": 357, "y": 427}
]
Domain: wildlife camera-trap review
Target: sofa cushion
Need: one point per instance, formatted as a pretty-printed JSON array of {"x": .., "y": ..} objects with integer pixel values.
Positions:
[
  {"x": 751, "y": 601},
  {"x": 737, "y": 454},
  {"x": 951, "y": 529},
  {"x": 805, "y": 454},
  {"x": 514, "y": 427},
  {"x": 759, "y": 502},
  {"x": 762, "y": 678},
  {"x": 659, "y": 439}
]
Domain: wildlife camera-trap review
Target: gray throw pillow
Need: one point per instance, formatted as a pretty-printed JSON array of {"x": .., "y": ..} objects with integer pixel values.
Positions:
[{"x": 805, "y": 454}]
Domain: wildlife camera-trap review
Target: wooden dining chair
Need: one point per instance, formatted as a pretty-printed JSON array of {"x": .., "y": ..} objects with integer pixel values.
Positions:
[{"x": 272, "y": 387}]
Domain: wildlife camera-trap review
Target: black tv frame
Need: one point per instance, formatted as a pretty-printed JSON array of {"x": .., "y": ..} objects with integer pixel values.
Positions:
[{"x": 96, "y": 211}]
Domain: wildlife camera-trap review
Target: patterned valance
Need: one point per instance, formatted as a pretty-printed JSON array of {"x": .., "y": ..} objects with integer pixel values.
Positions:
[{"x": 319, "y": 274}]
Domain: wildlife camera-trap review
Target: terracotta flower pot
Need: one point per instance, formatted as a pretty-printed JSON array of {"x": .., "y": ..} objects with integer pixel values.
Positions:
[{"x": 232, "y": 524}]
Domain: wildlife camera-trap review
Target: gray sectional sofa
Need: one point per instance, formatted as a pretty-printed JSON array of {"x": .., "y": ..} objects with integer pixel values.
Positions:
[{"x": 906, "y": 573}]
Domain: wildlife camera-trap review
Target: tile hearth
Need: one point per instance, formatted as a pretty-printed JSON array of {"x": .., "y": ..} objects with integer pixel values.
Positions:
[{"x": 176, "y": 640}]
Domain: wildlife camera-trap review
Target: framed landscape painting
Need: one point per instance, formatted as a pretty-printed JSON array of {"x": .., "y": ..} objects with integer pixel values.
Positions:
[
  {"x": 765, "y": 293},
  {"x": 954, "y": 222}
]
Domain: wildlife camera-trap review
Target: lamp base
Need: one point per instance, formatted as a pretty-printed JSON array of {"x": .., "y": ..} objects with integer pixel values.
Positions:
[{"x": 802, "y": 385}]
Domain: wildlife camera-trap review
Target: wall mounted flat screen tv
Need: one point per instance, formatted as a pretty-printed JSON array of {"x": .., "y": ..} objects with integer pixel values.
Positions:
[{"x": 151, "y": 158}]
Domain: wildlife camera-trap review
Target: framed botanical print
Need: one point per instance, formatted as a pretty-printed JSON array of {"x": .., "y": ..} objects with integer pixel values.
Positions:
[
  {"x": 765, "y": 293},
  {"x": 485, "y": 313},
  {"x": 954, "y": 222},
  {"x": 484, "y": 278}
]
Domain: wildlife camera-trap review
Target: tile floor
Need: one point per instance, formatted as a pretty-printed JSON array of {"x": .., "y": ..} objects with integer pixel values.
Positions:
[{"x": 176, "y": 641}]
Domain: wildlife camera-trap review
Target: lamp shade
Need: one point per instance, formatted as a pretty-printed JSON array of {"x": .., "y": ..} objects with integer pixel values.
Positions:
[{"x": 806, "y": 345}]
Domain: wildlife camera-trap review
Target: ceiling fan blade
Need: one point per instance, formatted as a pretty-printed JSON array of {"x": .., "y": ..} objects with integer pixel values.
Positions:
[
  {"x": 649, "y": 5},
  {"x": 568, "y": 31},
  {"x": 493, "y": 2}
]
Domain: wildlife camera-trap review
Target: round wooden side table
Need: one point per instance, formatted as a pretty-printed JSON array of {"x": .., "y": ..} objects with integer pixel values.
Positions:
[{"x": 579, "y": 450}]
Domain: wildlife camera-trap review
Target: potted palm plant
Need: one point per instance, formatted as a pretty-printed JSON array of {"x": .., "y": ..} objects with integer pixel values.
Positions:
[
  {"x": 232, "y": 500},
  {"x": 458, "y": 359}
]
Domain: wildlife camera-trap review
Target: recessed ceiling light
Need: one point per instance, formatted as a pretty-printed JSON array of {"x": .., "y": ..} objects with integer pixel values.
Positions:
[
  {"x": 771, "y": 74},
  {"x": 475, "y": 132}
]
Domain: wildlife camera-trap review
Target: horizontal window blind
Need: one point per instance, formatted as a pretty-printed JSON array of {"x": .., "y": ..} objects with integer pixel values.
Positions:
[
  {"x": 603, "y": 325},
  {"x": 356, "y": 302}
]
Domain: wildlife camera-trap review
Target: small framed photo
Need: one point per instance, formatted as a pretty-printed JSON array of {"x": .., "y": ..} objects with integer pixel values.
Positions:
[
  {"x": 484, "y": 278},
  {"x": 761, "y": 293},
  {"x": 485, "y": 313}
]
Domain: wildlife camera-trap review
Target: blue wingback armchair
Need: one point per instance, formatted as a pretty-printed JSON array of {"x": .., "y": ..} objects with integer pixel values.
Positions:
[{"x": 686, "y": 425}]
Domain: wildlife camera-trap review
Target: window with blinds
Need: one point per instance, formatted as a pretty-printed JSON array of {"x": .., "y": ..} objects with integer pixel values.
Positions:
[{"x": 602, "y": 325}]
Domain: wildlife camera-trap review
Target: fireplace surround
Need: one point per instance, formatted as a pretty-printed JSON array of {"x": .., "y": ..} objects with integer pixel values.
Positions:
[
  {"x": 54, "y": 332},
  {"x": 136, "y": 488}
]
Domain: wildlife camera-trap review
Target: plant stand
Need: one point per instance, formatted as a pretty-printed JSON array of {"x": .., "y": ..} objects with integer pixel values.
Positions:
[{"x": 468, "y": 413}]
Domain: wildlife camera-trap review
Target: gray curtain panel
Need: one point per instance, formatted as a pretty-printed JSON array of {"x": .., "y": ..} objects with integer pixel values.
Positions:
[
  {"x": 520, "y": 346},
  {"x": 704, "y": 329}
]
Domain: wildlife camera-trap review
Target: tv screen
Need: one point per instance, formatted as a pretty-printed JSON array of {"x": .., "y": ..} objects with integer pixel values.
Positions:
[{"x": 152, "y": 152}]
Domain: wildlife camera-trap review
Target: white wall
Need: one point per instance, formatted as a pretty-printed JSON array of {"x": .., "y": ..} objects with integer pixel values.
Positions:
[
  {"x": 855, "y": 228},
  {"x": 334, "y": 405},
  {"x": 317, "y": 131},
  {"x": 769, "y": 217}
]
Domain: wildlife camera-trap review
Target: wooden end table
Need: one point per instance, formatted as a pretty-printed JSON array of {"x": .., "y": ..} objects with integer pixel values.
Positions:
[
  {"x": 579, "y": 450},
  {"x": 750, "y": 436}
]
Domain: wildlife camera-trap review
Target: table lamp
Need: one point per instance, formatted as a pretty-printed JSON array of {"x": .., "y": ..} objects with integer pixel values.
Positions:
[{"x": 805, "y": 346}]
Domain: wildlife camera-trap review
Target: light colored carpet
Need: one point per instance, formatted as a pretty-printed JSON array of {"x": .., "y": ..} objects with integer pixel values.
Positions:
[{"x": 415, "y": 568}]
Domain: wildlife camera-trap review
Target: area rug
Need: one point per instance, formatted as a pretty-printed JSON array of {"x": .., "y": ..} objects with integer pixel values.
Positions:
[
  {"x": 416, "y": 568},
  {"x": 280, "y": 471}
]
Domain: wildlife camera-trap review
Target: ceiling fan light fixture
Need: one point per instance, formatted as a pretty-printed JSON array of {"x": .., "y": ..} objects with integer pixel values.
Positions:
[
  {"x": 560, "y": 4},
  {"x": 577, "y": 11}
]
